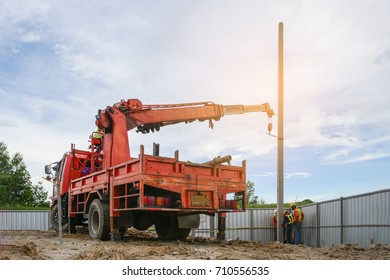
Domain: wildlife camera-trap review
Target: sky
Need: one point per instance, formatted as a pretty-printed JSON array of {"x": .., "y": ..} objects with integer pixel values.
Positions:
[{"x": 61, "y": 61}]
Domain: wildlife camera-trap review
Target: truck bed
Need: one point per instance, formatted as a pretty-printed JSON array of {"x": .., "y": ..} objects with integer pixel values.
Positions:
[{"x": 155, "y": 183}]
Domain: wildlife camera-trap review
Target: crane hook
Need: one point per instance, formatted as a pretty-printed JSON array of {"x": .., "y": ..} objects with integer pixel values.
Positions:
[
  {"x": 211, "y": 125},
  {"x": 269, "y": 125},
  {"x": 269, "y": 128}
]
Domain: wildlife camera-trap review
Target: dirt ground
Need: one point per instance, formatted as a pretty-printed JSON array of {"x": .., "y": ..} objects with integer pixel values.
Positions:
[{"x": 39, "y": 245}]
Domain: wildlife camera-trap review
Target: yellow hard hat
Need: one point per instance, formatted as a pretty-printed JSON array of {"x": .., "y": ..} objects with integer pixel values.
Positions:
[{"x": 293, "y": 204}]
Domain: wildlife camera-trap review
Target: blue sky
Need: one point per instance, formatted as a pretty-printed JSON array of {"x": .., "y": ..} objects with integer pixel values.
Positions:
[{"x": 61, "y": 61}]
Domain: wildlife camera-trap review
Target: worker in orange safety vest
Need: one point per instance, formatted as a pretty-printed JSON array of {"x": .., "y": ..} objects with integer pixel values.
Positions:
[
  {"x": 298, "y": 218},
  {"x": 275, "y": 221}
]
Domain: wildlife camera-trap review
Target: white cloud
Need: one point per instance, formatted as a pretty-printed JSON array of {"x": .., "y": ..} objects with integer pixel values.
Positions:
[
  {"x": 343, "y": 157},
  {"x": 85, "y": 66},
  {"x": 267, "y": 174},
  {"x": 371, "y": 149},
  {"x": 383, "y": 57},
  {"x": 302, "y": 175},
  {"x": 30, "y": 37},
  {"x": 16, "y": 51},
  {"x": 20, "y": 11}
]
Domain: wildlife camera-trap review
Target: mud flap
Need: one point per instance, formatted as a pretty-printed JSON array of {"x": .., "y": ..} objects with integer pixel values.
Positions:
[{"x": 189, "y": 221}]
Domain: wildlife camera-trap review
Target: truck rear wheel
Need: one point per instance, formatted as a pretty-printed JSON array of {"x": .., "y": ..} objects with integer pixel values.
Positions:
[
  {"x": 99, "y": 220},
  {"x": 54, "y": 219},
  {"x": 183, "y": 233},
  {"x": 167, "y": 228}
]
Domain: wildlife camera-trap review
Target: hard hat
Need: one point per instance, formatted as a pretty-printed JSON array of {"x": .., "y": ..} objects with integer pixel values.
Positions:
[
  {"x": 276, "y": 211},
  {"x": 293, "y": 204}
]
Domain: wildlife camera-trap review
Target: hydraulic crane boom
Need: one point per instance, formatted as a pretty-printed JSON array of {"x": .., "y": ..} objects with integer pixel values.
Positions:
[{"x": 128, "y": 114}]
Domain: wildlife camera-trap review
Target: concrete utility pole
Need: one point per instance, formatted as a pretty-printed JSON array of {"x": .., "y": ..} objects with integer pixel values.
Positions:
[{"x": 280, "y": 168}]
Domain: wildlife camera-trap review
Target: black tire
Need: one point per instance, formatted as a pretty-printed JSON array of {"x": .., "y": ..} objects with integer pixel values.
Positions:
[
  {"x": 183, "y": 233},
  {"x": 99, "y": 220},
  {"x": 54, "y": 219},
  {"x": 167, "y": 228}
]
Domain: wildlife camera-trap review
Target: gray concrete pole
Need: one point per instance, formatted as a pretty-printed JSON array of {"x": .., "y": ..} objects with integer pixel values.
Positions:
[{"x": 280, "y": 145}]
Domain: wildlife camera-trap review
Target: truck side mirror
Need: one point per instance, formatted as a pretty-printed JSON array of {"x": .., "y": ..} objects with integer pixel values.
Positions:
[{"x": 47, "y": 169}]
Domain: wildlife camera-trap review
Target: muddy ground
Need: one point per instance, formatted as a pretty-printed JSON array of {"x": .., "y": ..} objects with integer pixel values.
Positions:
[{"x": 38, "y": 245}]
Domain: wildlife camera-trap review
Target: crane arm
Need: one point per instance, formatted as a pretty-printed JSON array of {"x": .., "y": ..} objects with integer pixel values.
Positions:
[
  {"x": 148, "y": 118},
  {"x": 128, "y": 114},
  {"x": 241, "y": 109}
]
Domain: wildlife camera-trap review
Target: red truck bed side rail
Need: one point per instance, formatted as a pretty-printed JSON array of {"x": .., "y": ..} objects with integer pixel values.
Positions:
[{"x": 157, "y": 183}]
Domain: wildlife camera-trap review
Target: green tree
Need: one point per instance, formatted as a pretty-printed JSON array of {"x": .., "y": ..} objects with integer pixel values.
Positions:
[
  {"x": 252, "y": 200},
  {"x": 306, "y": 201},
  {"x": 16, "y": 188},
  {"x": 5, "y": 167},
  {"x": 39, "y": 196},
  {"x": 5, "y": 170},
  {"x": 19, "y": 189}
]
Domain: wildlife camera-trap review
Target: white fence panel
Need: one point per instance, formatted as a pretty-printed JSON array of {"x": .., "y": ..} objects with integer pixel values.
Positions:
[{"x": 24, "y": 220}]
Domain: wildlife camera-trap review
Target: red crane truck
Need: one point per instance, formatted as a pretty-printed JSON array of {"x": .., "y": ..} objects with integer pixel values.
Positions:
[{"x": 108, "y": 189}]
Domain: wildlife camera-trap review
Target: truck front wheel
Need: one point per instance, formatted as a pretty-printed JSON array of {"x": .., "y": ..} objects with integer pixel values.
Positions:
[
  {"x": 99, "y": 220},
  {"x": 54, "y": 219}
]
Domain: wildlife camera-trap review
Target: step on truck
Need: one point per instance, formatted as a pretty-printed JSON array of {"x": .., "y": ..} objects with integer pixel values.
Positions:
[{"x": 109, "y": 190}]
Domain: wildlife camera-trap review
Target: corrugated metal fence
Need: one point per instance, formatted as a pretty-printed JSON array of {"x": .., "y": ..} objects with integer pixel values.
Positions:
[
  {"x": 362, "y": 219},
  {"x": 24, "y": 220}
]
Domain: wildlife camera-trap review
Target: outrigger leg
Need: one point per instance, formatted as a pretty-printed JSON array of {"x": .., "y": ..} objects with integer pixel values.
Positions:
[{"x": 221, "y": 226}]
